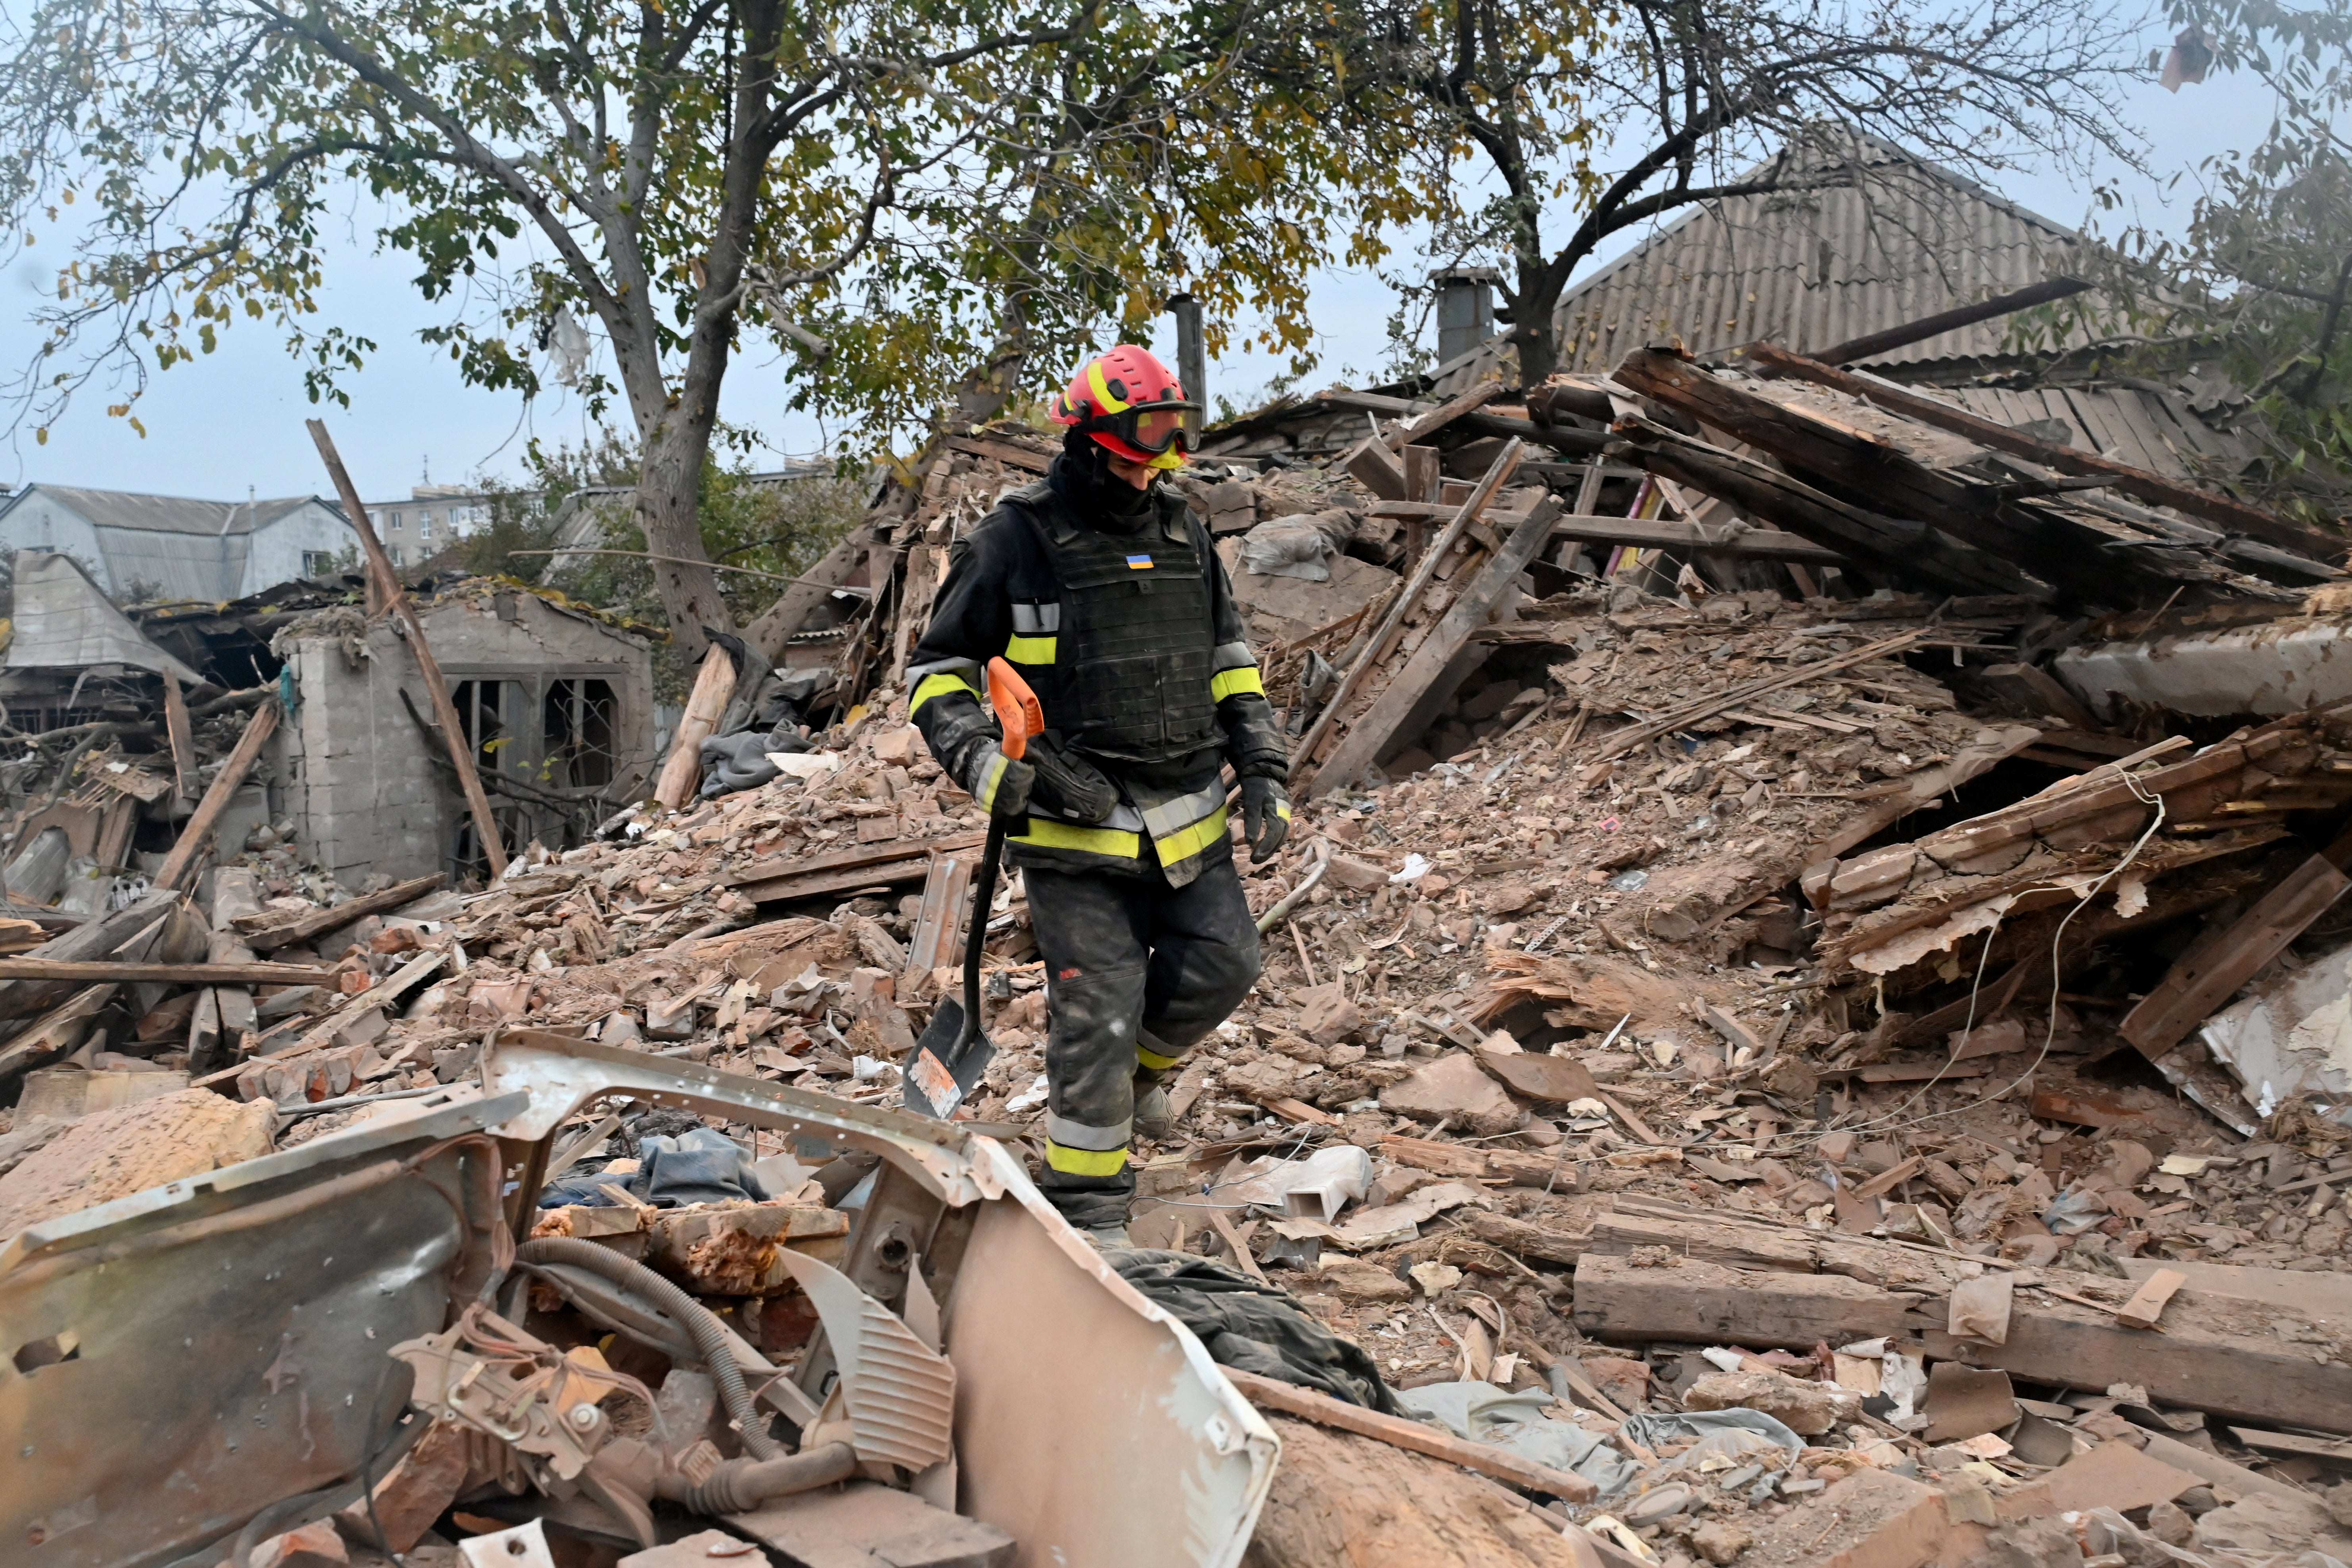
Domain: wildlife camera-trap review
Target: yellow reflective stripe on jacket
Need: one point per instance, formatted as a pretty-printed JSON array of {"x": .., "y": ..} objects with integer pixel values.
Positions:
[
  {"x": 1147, "y": 1057},
  {"x": 1235, "y": 683},
  {"x": 1031, "y": 650},
  {"x": 1084, "y": 1161},
  {"x": 1188, "y": 842},
  {"x": 1044, "y": 832},
  {"x": 990, "y": 776},
  {"x": 938, "y": 685}
]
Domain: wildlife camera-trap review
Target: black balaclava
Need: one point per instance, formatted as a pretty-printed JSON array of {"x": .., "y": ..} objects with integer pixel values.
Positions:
[{"x": 1100, "y": 498}]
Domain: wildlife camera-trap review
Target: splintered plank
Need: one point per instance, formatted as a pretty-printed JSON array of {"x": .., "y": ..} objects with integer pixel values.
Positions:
[
  {"x": 2202, "y": 979},
  {"x": 1408, "y": 694},
  {"x": 787, "y": 876},
  {"x": 266, "y": 930},
  {"x": 1376, "y": 648},
  {"x": 2216, "y": 1354},
  {"x": 166, "y": 973},
  {"x": 2227, "y": 510},
  {"x": 1291, "y": 1399}
]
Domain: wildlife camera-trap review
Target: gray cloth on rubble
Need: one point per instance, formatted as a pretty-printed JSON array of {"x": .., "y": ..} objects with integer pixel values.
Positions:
[
  {"x": 763, "y": 717},
  {"x": 1485, "y": 1414},
  {"x": 1253, "y": 1327},
  {"x": 1710, "y": 1427},
  {"x": 1295, "y": 546},
  {"x": 703, "y": 1166},
  {"x": 732, "y": 763}
]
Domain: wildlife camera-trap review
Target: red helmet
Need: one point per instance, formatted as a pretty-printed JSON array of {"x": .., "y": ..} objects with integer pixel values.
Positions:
[{"x": 1132, "y": 406}]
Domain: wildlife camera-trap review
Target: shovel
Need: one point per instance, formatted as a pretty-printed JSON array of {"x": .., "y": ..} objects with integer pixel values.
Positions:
[{"x": 949, "y": 1059}]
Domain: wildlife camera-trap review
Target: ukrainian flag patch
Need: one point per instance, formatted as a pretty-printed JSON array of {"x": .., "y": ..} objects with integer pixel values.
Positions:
[{"x": 1138, "y": 562}]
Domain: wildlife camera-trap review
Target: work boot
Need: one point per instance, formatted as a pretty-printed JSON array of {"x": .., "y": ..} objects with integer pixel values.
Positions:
[
  {"x": 1155, "y": 1118},
  {"x": 1108, "y": 1237}
]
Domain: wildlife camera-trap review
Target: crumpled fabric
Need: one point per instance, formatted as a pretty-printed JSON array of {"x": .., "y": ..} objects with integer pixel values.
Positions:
[
  {"x": 732, "y": 763},
  {"x": 1733, "y": 1433},
  {"x": 703, "y": 1166},
  {"x": 1253, "y": 1327},
  {"x": 1485, "y": 1414},
  {"x": 1290, "y": 547},
  {"x": 764, "y": 716}
]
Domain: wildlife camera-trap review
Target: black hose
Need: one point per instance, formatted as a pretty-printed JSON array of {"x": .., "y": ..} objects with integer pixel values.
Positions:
[
  {"x": 738, "y": 1485},
  {"x": 708, "y": 1334}
]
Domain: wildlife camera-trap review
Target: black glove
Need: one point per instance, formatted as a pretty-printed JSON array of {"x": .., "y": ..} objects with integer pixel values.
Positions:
[
  {"x": 1266, "y": 817},
  {"x": 999, "y": 782},
  {"x": 1074, "y": 787}
]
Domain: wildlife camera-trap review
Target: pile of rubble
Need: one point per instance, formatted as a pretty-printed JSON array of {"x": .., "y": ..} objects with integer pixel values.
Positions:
[{"x": 1770, "y": 1051}]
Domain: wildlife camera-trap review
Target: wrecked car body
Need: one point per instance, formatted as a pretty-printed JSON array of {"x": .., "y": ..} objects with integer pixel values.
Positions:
[{"x": 226, "y": 1341}]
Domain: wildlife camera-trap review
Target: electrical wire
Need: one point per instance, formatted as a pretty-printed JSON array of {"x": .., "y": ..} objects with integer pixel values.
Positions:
[{"x": 1891, "y": 1120}]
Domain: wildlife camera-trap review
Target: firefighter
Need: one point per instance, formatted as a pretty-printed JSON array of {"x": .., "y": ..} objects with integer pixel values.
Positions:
[{"x": 1100, "y": 588}]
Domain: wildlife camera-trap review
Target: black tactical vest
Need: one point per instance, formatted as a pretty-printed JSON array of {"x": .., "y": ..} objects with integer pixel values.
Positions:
[{"x": 1136, "y": 641}]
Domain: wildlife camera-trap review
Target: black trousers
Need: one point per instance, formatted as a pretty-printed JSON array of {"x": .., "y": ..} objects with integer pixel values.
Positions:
[{"x": 1136, "y": 973}]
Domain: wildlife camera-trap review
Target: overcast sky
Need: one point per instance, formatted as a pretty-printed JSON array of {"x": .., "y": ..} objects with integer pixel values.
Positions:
[{"x": 230, "y": 423}]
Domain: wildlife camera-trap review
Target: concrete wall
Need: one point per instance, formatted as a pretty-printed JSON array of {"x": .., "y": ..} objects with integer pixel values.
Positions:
[
  {"x": 358, "y": 777},
  {"x": 40, "y": 521},
  {"x": 274, "y": 555}
]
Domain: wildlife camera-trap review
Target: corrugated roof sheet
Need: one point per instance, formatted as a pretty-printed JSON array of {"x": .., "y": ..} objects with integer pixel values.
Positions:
[
  {"x": 1885, "y": 238},
  {"x": 2147, "y": 428},
  {"x": 63, "y": 621},
  {"x": 173, "y": 514},
  {"x": 174, "y": 565}
]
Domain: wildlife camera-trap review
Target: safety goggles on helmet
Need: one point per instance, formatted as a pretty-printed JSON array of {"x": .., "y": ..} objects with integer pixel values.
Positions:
[{"x": 1152, "y": 427}]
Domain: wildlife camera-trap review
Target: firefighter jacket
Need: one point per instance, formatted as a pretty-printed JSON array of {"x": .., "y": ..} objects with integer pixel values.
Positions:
[{"x": 1137, "y": 653}]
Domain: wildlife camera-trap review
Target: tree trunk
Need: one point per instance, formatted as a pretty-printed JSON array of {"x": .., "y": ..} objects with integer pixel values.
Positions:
[
  {"x": 990, "y": 386},
  {"x": 1534, "y": 329},
  {"x": 669, "y": 502}
]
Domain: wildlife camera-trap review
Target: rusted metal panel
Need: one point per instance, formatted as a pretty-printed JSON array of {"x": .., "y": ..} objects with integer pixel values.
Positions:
[{"x": 216, "y": 1344}]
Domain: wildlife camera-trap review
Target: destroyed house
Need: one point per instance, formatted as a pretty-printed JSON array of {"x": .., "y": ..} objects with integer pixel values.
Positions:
[
  {"x": 168, "y": 547},
  {"x": 132, "y": 717},
  {"x": 1805, "y": 1021},
  {"x": 556, "y": 701}
]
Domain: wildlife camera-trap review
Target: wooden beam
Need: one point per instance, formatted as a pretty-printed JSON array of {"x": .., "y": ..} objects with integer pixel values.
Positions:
[
  {"x": 783, "y": 876},
  {"x": 1872, "y": 344},
  {"x": 781, "y": 621},
  {"x": 2220, "y": 960},
  {"x": 2085, "y": 561},
  {"x": 1560, "y": 438},
  {"x": 1420, "y": 428},
  {"x": 265, "y": 931},
  {"x": 714, "y": 687},
  {"x": 395, "y": 599},
  {"x": 1689, "y": 539},
  {"x": 179, "y": 867},
  {"x": 1402, "y": 702},
  {"x": 2204, "y": 1359},
  {"x": 1375, "y": 649},
  {"x": 1398, "y": 1432},
  {"x": 1371, "y": 465},
  {"x": 1911, "y": 550},
  {"x": 182, "y": 734},
  {"x": 87, "y": 970},
  {"x": 2225, "y": 510}
]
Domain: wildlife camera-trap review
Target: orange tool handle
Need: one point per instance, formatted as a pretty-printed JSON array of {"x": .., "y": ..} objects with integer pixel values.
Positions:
[{"x": 1016, "y": 708}]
